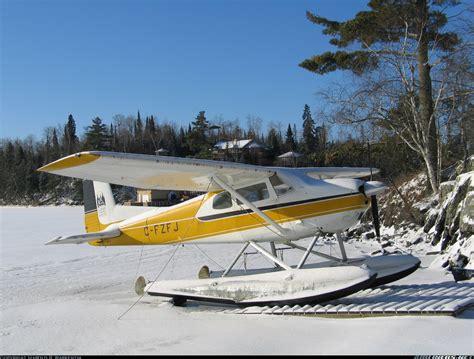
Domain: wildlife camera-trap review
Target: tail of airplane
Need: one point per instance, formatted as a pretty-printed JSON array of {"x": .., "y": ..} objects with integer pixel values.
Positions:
[
  {"x": 100, "y": 214},
  {"x": 100, "y": 209},
  {"x": 99, "y": 204}
]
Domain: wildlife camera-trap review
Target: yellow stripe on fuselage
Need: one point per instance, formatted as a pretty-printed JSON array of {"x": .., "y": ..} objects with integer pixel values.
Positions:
[{"x": 181, "y": 225}]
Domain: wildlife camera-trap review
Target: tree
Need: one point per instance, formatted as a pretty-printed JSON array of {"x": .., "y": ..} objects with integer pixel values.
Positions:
[
  {"x": 404, "y": 40},
  {"x": 138, "y": 134},
  {"x": 309, "y": 138},
  {"x": 70, "y": 137},
  {"x": 273, "y": 141},
  {"x": 321, "y": 136},
  {"x": 56, "y": 149},
  {"x": 97, "y": 137},
  {"x": 198, "y": 135},
  {"x": 290, "y": 141}
]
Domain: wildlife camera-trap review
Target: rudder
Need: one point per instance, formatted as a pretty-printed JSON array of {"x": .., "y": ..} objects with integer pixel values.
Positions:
[{"x": 99, "y": 204}]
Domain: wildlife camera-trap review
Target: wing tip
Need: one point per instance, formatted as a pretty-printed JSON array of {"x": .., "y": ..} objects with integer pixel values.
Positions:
[{"x": 74, "y": 160}]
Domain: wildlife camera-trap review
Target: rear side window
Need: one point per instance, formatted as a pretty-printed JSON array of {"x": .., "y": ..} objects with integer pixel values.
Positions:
[
  {"x": 280, "y": 187},
  {"x": 222, "y": 201},
  {"x": 255, "y": 192}
]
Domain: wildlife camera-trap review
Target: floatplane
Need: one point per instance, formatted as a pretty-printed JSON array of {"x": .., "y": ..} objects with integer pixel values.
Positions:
[{"x": 241, "y": 203}]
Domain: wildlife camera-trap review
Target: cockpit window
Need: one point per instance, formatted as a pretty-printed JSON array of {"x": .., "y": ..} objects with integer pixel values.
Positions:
[
  {"x": 222, "y": 201},
  {"x": 280, "y": 187},
  {"x": 256, "y": 192}
]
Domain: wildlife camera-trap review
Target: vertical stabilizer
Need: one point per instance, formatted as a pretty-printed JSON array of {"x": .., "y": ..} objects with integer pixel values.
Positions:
[
  {"x": 99, "y": 205},
  {"x": 105, "y": 202}
]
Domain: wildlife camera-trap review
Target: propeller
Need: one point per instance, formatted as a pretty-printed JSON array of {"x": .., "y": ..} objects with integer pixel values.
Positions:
[
  {"x": 373, "y": 200},
  {"x": 375, "y": 216},
  {"x": 371, "y": 189}
]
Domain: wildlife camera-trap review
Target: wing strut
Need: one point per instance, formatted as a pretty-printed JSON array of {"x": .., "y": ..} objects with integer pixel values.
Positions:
[{"x": 281, "y": 231}]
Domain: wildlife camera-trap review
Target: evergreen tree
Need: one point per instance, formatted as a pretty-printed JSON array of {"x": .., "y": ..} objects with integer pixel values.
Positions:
[
  {"x": 198, "y": 137},
  {"x": 295, "y": 135},
  {"x": 56, "y": 149},
  {"x": 309, "y": 135},
  {"x": 290, "y": 139},
  {"x": 70, "y": 137},
  {"x": 274, "y": 141},
  {"x": 138, "y": 135},
  {"x": 97, "y": 137},
  {"x": 399, "y": 35}
]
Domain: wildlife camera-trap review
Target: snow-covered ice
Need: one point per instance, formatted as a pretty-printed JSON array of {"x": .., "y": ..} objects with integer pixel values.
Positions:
[{"x": 67, "y": 299}]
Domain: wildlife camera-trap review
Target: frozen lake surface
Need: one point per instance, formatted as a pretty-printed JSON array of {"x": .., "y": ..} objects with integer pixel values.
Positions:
[{"x": 67, "y": 299}]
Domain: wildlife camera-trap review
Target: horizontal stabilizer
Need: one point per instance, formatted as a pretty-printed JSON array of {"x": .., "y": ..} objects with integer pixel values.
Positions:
[{"x": 86, "y": 237}]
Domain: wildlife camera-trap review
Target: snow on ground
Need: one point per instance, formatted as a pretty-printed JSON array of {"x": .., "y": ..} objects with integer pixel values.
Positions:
[{"x": 67, "y": 299}]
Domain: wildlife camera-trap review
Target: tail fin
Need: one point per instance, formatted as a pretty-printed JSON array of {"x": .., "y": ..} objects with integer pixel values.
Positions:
[
  {"x": 99, "y": 205},
  {"x": 100, "y": 208}
]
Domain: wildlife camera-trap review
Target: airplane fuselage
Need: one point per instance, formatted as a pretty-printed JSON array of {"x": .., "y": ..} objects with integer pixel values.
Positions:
[{"x": 307, "y": 206}]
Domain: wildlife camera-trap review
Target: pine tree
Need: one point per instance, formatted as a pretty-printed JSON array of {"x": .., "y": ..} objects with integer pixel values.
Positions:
[
  {"x": 56, "y": 149},
  {"x": 138, "y": 134},
  {"x": 400, "y": 36},
  {"x": 274, "y": 141},
  {"x": 70, "y": 137},
  {"x": 97, "y": 137},
  {"x": 309, "y": 135},
  {"x": 290, "y": 139},
  {"x": 295, "y": 135},
  {"x": 198, "y": 136}
]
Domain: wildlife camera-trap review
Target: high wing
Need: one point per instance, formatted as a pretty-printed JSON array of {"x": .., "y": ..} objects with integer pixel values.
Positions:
[
  {"x": 173, "y": 173},
  {"x": 338, "y": 172},
  {"x": 155, "y": 172}
]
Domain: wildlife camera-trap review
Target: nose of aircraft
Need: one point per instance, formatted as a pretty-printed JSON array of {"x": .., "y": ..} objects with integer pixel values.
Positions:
[{"x": 372, "y": 188}]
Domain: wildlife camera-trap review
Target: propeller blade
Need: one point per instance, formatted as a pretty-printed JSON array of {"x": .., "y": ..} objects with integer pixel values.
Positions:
[{"x": 375, "y": 216}]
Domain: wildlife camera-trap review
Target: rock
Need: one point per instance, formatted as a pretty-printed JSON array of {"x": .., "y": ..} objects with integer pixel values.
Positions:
[
  {"x": 463, "y": 183},
  {"x": 466, "y": 220},
  {"x": 466, "y": 167},
  {"x": 458, "y": 261},
  {"x": 445, "y": 241},
  {"x": 412, "y": 225},
  {"x": 386, "y": 244},
  {"x": 439, "y": 226},
  {"x": 445, "y": 189},
  {"x": 369, "y": 235},
  {"x": 430, "y": 221}
]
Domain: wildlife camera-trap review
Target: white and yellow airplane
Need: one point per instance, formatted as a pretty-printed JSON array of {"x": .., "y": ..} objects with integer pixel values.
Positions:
[{"x": 241, "y": 204}]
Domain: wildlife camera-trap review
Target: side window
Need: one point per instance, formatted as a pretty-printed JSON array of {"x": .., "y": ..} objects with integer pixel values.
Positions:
[
  {"x": 280, "y": 187},
  {"x": 222, "y": 201},
  {"x": 255, "y": 192}
]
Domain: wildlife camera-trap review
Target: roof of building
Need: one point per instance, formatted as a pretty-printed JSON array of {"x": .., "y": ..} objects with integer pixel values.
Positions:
[
  {"x": 290, "y": 154},
  {"x": 237, "y": 144}
]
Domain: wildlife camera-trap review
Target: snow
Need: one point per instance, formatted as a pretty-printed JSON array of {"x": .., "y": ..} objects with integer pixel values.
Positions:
[{"x": 67, "y": 300}]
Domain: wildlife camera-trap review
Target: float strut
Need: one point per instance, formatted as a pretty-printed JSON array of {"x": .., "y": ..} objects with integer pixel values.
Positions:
[
  {"x": 308, "y": 251},
  {"x": 235, "y": 259},
  {"x": 341, "y": 246},
  {"x": 269, "y": 256}
]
